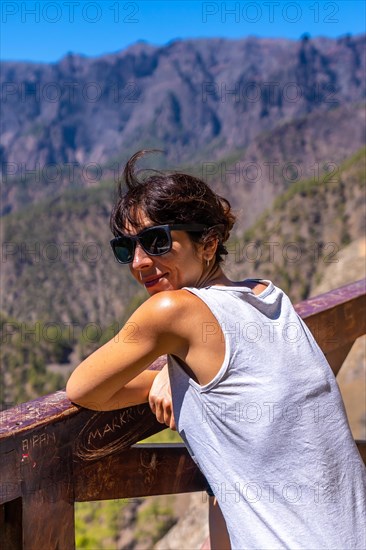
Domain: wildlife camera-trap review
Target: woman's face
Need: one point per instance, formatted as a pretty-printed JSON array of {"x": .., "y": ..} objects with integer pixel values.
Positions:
[{"x": 183, "y": 266}]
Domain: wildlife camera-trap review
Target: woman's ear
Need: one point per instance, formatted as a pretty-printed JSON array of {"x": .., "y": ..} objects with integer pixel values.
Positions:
[{"x": 210, "y": 247}]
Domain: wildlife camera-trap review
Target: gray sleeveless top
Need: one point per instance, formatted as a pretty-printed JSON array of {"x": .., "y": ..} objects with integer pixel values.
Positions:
[{"x": 269, "y": 432}]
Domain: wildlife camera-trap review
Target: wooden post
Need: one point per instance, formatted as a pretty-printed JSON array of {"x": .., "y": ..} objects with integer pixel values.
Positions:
[
  {"x": 48, "y": 520},
  {"x": 11, "y": 525}
]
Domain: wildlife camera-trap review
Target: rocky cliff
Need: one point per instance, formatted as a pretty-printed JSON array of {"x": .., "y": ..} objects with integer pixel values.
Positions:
[{"x": 197, "y": 99}]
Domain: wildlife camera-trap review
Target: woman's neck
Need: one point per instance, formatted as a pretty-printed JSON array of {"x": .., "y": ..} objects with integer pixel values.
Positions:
[{"x": 214, "y": 276}]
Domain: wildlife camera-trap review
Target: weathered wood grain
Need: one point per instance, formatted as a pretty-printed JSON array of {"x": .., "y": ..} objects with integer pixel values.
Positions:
[
  {"x": 336, "y": 319},
  {"x": 143, "y": 470}
]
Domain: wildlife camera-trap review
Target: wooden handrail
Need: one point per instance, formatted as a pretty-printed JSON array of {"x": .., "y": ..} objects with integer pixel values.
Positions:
[
  {"x": 54, "y": 453},
  {"x": 336, "y": 319}
]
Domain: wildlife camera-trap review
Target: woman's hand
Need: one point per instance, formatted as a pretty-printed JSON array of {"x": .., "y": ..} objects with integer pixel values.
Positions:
[{"x": 160, "y": 399}]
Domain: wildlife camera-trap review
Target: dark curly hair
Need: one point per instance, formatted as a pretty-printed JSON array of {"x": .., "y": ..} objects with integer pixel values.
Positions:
[{"x": 169, "y": 199}]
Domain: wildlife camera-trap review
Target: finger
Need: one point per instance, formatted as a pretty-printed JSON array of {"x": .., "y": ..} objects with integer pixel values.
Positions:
[
  {"x": 168, "y": 413},
  {"x": 159, "y": 413},
  {"x": 152, "y": 402},
  {"x": 172, "y": 424}
]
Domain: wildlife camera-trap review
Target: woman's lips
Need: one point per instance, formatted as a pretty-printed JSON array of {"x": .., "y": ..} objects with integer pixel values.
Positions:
[{"x": 151, "y": 282}]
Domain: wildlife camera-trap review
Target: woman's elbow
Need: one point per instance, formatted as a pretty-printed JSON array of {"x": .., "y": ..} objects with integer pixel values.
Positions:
[
  {"x": 85, "y": 399},
  {"x": 72, "y": 393},
  {"x": 75, "y": 394}
]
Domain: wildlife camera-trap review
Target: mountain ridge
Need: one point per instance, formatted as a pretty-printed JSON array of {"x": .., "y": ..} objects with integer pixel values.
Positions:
[
  {"x": 185, "y": 95},
  {"x": 307, "y": 145}
]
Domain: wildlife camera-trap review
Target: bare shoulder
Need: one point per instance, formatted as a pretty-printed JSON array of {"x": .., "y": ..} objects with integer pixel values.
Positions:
[
  {"x": 170, "y": 301},
  {"x": 256, "y": 287},
  {"x": 169, "y": 308}
]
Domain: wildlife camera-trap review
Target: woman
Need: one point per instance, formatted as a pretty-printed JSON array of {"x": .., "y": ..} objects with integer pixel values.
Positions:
[{"x": 254, "y": 398}]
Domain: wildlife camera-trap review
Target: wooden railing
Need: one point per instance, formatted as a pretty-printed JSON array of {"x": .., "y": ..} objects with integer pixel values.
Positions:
[{"x": 54, "y": 454}]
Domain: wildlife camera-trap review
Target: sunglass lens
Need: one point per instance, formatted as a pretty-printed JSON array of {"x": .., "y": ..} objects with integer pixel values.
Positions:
[
  {"x": 124, "y": 249},
  {"x": 156, "y": 241}
]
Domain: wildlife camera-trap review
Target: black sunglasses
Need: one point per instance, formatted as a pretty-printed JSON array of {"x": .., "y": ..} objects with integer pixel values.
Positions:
[{"x": 155, "y": 241}]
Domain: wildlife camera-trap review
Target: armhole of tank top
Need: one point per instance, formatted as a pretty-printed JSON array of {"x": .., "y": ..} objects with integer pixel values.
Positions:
[{"x": 224, "y": 366}]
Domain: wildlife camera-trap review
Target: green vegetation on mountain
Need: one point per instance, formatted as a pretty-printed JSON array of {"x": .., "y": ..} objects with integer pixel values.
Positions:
[
  {"x": 302, "y": 232},
  {"x": 29, "y": 350},
  {"x": 97, "y": 524},
  {"x": 58, "y": 265},
  {"x": 26, "y": 351}
]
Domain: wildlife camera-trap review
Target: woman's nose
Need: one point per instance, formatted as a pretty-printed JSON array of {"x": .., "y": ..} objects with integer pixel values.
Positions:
[{"x": 141, "y": 258}]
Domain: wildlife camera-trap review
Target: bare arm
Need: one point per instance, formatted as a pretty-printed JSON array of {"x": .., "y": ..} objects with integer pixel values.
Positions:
[
  {"x": 115, "y": 375},
  {"x": 133, "y": 393}
]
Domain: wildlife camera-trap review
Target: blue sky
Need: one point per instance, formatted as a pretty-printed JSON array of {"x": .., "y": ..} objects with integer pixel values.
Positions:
[{"x": 46, "y": 30}]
